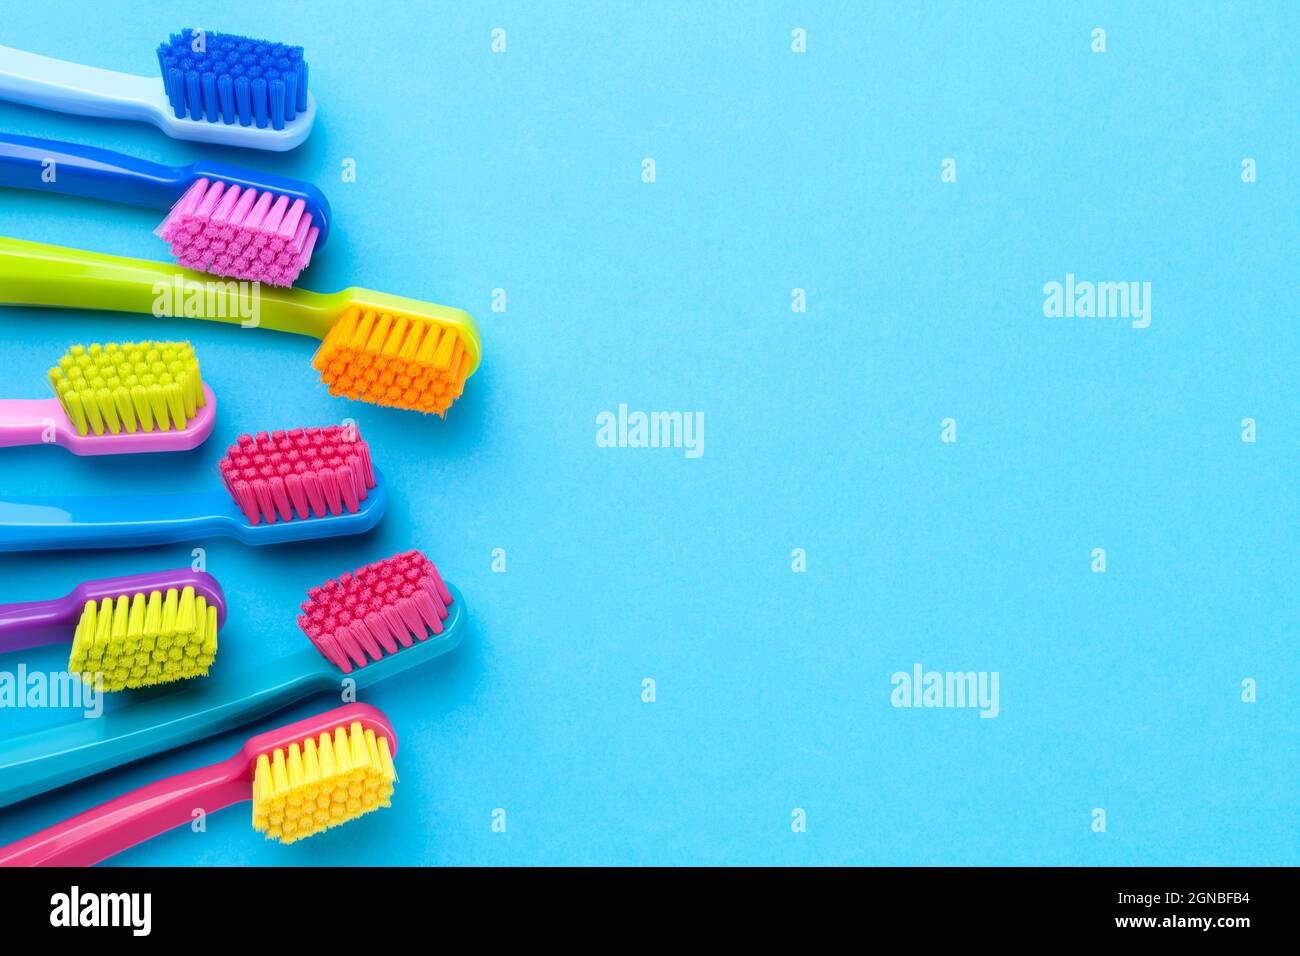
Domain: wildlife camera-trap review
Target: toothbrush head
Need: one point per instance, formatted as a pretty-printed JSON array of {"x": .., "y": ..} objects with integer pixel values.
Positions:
[
  {"x": 147, "y": 629},
  {"x": 377, "y": 610},
  {"x": 245, "y": 232},
  {"x": 321, "y": 772},
  {"x": 399, "y": 353},
  {"x": 224, "y": 78},
  {"x": 133, "y": 396},
  {"x": 303, "y": 473}
]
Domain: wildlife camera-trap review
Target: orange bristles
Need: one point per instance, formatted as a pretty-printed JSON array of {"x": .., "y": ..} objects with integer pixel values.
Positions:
[{"x": 398, "y": 361}]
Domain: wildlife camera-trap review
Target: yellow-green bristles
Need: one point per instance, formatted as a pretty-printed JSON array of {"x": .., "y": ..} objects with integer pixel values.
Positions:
[
  {"x": 129, "y": 386},
  {"x": 141, "y": 639},
  {"x": 323, "y": 783}
]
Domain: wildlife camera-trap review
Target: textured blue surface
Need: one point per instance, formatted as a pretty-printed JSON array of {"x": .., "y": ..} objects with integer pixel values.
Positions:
[{"x": 775, "y": 170}]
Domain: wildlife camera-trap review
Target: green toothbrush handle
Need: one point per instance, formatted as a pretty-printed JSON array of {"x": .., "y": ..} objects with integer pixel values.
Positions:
[{"x": 33, "y": 273}]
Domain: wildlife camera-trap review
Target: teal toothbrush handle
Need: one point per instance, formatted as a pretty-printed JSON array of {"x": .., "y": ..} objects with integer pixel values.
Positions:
[{"x": 46, "y": 759}]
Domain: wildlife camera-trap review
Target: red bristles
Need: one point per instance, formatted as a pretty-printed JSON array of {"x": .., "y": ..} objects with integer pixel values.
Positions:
[
  {"x": 303, "y": 473},
  {"x": 376, "y": 610}
]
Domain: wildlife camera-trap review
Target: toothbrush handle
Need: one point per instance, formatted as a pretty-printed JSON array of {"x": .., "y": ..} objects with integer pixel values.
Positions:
[
  {"x": 76, "y": 170},
  {"x": 42, "y": 524},
  {"x": 43, "y": 81},
  {"x": 27, "y": 421},
  {"x": 45, "y": 759},
  {"x": 132, "y": 818},
  {"x": 34, "y": 623},
  {"x": 33, "y": 273}
]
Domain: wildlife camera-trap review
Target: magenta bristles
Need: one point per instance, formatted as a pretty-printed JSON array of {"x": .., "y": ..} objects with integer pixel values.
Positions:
[
  {"x": 376, "y": 610},
  {"x": 300, "y": 473},
  {"x": 245, "y": 234}
]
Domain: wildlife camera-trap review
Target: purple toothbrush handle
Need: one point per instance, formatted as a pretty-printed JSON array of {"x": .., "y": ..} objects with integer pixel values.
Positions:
[{"x": 35, "y": 623}]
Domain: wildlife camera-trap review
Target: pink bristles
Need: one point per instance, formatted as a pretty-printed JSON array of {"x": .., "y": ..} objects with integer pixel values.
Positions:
[
  {"x": 303, "y": 473},
  {"x": 376, "y": 610},
  {"x": 240, "y": 233}
]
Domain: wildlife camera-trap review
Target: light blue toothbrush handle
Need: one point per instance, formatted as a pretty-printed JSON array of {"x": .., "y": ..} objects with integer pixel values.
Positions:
[
  {"x": 41, "y": 524},
  {"x": 52, "y": 84},
  {"x": 40, "y": 761}
]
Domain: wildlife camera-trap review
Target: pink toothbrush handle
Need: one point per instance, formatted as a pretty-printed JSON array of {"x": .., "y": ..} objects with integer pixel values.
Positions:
[
  {"x": 42, "y": 421},
  {"x": 133, "y": 818},
  {"x": 26, "y": 421}
]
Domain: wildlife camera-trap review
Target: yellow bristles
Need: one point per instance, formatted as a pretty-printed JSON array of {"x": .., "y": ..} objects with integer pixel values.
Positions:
[
  {"x": 131, "y": 386},
  {"x": 324, "y": 782},
  {"x": 141, "y": 639},
  {"x": 399, "y": 361}
]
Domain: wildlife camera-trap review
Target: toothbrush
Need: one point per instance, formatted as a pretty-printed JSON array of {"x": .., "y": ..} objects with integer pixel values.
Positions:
[
  {"x": 222, "y": 219},
  {"x": 379, "y": 621},
  {"x": 302, "y": 779},
  {"x": 378, "y": 348},
  {"x": 132, "y": 631},
  {"x": 214, "y": 88},
  {"x": 283, "y": 486},
  {"x": 116, "y": 398}
]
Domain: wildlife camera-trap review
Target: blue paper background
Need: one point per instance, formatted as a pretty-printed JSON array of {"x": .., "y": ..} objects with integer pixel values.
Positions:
[{"x": 820, "y": 171}]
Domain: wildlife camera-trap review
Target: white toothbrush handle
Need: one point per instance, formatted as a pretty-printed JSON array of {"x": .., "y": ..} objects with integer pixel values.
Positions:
[{"x": 52, "y": 84}]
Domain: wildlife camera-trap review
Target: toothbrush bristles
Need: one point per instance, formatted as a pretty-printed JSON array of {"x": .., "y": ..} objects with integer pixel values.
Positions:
[
  {"x": 241, "y": 233},
  {"x": 321, "y": 782},
  {"x": 301, "y": 473},
  {"x": 129, "y": 386},
  {"x": 394, "y": 360},
  {"x": 138, "y": 640},
  {"x": 226, "y": 78},
  {"x": 376, "y": 610}
]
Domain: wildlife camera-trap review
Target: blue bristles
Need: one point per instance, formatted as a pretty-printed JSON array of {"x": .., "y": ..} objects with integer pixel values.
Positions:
[{"x": 233, "y": 79}]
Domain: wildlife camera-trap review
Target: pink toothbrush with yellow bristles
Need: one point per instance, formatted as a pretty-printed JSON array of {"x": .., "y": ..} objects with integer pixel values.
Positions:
[
  {"x": 115, "y": 399},
  {"x": 302, "y": 779}
]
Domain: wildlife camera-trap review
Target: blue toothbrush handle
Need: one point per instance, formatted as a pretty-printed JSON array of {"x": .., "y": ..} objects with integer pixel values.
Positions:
[
  {"x": 134, "y": 521},
  {"x": 76, "y": 170},
  {"x": 45, "y": 759},
  {"x": 42, "y": 524}
]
